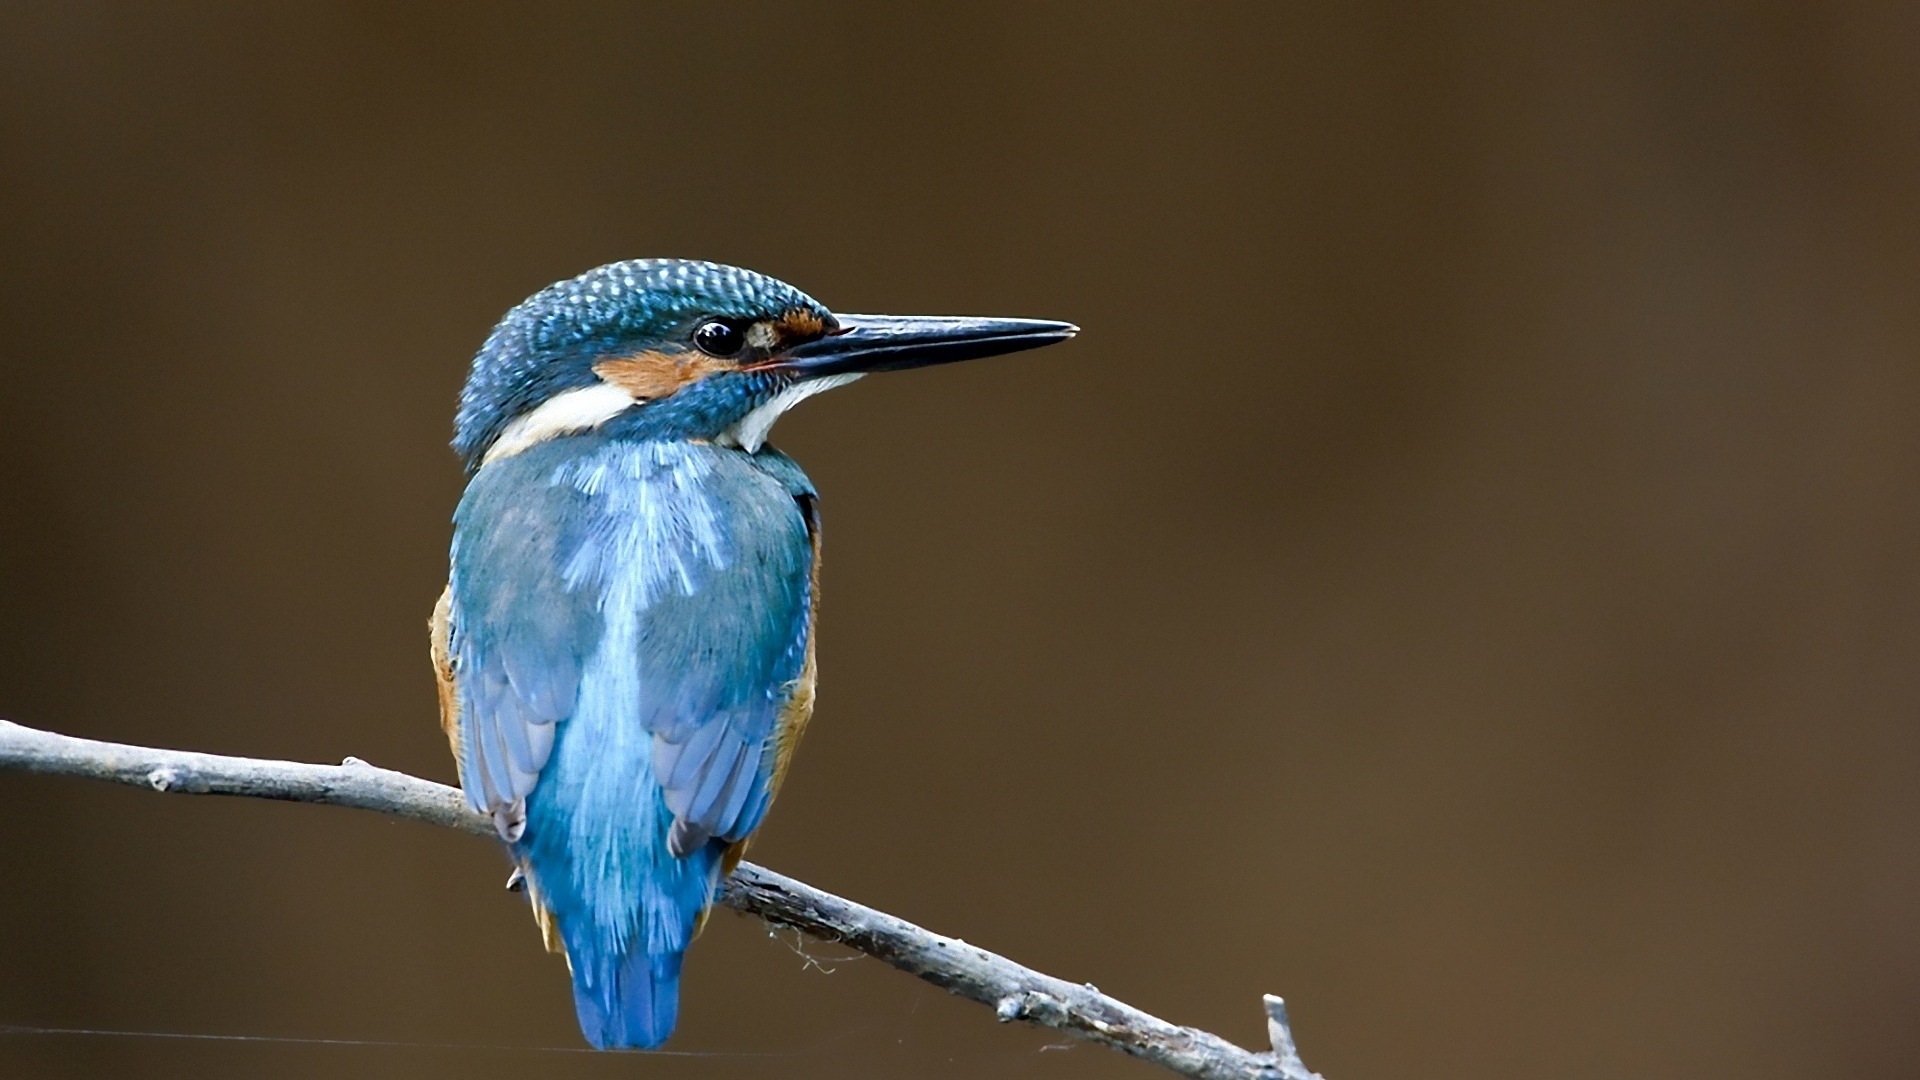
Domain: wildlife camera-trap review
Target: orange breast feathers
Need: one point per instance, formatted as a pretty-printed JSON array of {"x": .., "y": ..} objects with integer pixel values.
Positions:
[{"x": 440, "y": 634}]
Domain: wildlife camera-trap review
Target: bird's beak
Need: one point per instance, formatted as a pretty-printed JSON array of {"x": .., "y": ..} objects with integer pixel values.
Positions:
[{"x": 892, "y": 342}]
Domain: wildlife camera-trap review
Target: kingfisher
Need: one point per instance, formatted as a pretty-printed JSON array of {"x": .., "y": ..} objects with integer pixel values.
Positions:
[{"x": 625, "y": 646}]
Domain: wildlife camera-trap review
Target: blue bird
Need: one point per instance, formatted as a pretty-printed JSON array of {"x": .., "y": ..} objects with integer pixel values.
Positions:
[{"x": 625, "y": 647}]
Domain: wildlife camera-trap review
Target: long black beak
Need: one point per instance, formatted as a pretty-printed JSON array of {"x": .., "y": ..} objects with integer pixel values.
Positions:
[{"x": 892, "y": 342}]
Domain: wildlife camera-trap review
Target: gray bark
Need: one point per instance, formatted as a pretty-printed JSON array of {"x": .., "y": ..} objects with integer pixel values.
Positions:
[{"x": 1014, "y": 992}]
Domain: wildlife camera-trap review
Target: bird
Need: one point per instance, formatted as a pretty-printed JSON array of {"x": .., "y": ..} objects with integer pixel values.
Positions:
[{"x": 625, "y": 648}]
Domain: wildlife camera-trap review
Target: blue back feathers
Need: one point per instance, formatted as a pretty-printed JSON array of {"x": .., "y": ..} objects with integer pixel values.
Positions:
[{"x": 629, "y": 617}]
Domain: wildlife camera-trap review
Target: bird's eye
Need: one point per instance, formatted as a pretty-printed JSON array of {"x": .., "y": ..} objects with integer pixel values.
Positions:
[{"x": 716, "y": 338}]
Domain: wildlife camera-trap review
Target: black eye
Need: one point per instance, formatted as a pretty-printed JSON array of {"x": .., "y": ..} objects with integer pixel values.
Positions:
[{"x": 716, "y": 338}]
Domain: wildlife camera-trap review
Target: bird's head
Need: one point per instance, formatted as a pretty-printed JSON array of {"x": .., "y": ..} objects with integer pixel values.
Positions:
[{"x": 680, "y": 349}]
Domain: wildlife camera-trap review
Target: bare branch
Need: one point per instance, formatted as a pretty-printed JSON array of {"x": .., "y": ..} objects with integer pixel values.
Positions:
[{"x": 1013, "y": 992}]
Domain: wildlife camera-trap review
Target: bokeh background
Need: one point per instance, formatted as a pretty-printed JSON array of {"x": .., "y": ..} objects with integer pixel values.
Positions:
[{"x": 1463, "y": 579}]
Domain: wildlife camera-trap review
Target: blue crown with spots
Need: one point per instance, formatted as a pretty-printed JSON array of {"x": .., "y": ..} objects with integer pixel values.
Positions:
[{"x": 547, "y": 344}]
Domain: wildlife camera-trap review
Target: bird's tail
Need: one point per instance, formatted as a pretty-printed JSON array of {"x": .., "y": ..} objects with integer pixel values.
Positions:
[
  {"x": 624, "y": 928},
  {"x": 624, "y": 999}
]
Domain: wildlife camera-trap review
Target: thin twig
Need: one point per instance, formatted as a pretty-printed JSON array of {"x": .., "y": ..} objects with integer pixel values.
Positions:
[{"x": 1013, "y": 992}]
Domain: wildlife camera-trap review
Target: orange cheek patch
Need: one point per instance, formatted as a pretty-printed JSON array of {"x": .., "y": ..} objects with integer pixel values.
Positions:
[
  {"x": 649, "y": 376},
  {"x": 801, "y": 324}
]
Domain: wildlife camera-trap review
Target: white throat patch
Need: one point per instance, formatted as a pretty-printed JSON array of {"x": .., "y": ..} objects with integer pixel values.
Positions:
[
  {"x": 749, "y": 433},
  {"x": 562, "y": 414}
]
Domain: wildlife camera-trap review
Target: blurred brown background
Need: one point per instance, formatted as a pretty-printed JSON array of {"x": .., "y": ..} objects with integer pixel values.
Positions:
[{"x": 1463, "y": 579}]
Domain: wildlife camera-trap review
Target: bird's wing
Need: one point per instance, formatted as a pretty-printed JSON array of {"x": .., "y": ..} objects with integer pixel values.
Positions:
[
  {"x": 731, "y": 656},
  {"x": 664, "y": 583},
  {"x": 515, "y": 635}
]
